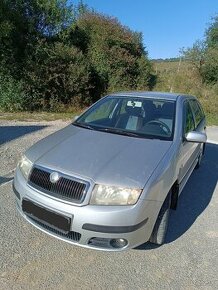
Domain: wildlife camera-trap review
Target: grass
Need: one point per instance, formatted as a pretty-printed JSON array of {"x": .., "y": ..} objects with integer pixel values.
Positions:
[
  {"x": 212, "y": 118},
  {"x": 181, "y": 77},
  {"x": 169, "y": 66},
  {"x": 38, "y": 116}
]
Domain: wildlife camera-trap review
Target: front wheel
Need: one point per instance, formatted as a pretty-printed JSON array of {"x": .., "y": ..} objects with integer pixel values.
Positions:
[{"x": 160, "y": 228}]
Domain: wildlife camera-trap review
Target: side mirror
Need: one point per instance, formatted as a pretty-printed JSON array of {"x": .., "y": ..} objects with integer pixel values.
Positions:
[
  {"x": 197, "y": 137},
  {"x": 75, "y": 118}
]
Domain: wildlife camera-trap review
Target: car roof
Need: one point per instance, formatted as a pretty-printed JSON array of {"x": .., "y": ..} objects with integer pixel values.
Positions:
[{"x": 147, "y": 94}]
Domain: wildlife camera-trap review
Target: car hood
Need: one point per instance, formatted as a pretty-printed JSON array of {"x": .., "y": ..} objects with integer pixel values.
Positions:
[{"x": 99, "y": 156}]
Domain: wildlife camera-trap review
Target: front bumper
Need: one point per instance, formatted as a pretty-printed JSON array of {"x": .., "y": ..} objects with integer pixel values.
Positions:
[{"x": 92, "y": 226}]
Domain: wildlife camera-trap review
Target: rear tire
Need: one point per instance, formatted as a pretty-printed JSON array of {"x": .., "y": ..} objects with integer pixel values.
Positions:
[{"x": 160, "y": 228}]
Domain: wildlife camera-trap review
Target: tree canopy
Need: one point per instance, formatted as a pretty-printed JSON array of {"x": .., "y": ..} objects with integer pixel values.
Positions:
[
  {"x": 57, "y": 54},
  {"x": 204, "y": 54}
]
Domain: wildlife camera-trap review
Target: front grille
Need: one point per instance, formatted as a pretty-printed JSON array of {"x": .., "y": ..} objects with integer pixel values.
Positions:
[
  {"x": 72, "y": 236},
  {"x": 65, "y": 188}
]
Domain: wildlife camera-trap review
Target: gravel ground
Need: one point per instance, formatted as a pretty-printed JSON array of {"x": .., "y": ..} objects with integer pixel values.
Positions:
[
  {"x": 29, "y": 259},
  {"x": 16, "y": 137}
]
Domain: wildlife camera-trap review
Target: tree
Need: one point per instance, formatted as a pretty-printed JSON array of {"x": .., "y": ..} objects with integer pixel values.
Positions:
[
  {"x": 212, "y": 33},
  {"x": 210, "y": 68},
  {"x": 58, "y": 75},
  {"x": 114, "y": 51},
  {"x": 23, "y": 23},
  {"x": 58, "y": 55},
  {"x": 204, "y": 54},
  {"x": 195, "y": 55}
]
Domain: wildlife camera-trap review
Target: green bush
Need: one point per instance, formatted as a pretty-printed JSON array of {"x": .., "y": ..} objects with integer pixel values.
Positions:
[
  {"x": 115, "y": 52},
  {"x": 12, "y": 96},
  {"x": 210, "y": 67},
  {"x": 61, "y": 57},
  {"x": 204, "y": 54},
  {"x": 57, "y": 75}
]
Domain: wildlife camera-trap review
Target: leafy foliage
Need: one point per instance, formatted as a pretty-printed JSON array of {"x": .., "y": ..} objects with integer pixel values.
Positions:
[
  {"x": 60, "y": 56},
  {"x": 212, "y": 33},
  {"x": 12, "y": 96},
  {"x": 114, "y": 52},
  {"x": 57, "y": 73},
  {"x": 204, "y": 54}
]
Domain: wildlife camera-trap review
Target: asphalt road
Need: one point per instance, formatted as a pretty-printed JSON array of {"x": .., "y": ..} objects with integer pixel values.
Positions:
[{"x": 30, "y": 259}]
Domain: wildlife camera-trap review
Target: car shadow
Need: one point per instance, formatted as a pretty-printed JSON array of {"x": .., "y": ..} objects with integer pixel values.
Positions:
[
  {"x": 9, "y": 133},
  {"x": 4, "y": 180},
  {"x": 194, "y": 198}
]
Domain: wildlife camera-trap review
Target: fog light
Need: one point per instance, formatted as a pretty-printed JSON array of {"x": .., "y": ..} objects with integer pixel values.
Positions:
[{"x": 118, "y": 243}]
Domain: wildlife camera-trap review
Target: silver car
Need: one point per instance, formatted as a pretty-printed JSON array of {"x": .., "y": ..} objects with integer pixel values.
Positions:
[{"x": 108, "y": 180}]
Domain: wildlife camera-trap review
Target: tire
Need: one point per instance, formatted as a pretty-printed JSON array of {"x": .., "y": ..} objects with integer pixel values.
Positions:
[{"x": 160, "y": 228}]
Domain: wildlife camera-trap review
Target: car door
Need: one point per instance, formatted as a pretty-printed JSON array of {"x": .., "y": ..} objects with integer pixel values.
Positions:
[{"x": 188, "y": 149}]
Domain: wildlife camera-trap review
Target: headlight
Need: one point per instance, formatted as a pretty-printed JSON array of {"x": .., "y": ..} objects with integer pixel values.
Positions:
[
  {"x": 112, "y": 195},
  {"x": 25, "y": 166}
]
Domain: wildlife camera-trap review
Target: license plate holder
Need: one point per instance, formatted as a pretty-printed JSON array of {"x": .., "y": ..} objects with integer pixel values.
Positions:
[{"x": 46, "y": 216}]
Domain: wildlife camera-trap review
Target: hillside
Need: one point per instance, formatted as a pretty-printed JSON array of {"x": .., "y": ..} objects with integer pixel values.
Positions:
[{"x": 181, "y": 76}]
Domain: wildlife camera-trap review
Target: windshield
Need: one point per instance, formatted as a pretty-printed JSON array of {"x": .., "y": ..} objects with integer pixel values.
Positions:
[{"x": 131, "y": 116}]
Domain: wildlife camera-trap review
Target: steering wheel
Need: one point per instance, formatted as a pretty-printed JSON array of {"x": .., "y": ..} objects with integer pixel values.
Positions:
[{"x": 161, "y": 124}]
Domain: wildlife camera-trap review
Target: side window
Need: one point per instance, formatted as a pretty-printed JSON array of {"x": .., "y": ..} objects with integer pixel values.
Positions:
[
  {"x": 197, "y": 111},
  {"x": 189, "y": 124}
]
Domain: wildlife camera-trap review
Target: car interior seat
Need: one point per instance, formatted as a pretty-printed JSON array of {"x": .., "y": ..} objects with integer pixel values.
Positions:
[{"x": 132, "y": 119}]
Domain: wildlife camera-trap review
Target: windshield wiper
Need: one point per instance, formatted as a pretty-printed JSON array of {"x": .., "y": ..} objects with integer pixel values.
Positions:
[
  {"x": 114, "y": 131},
  {"x": 127, "y": 133},
  {"x": 86, "y": 126},
  {"x": 119, "y": 131}
]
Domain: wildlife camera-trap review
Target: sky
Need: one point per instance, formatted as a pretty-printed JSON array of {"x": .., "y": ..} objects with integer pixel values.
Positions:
[{"x": 166, "y": 25}]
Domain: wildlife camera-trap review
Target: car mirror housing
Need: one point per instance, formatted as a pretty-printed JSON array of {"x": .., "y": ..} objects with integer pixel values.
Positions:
[{"x": 197, "y": 137}]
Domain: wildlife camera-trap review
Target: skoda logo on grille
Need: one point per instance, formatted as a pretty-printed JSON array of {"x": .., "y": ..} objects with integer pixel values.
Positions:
[{"x": 54, "y": 177}]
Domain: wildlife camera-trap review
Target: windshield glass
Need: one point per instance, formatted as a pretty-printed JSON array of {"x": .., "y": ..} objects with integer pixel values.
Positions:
[{"x": 131, "y": 116}]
